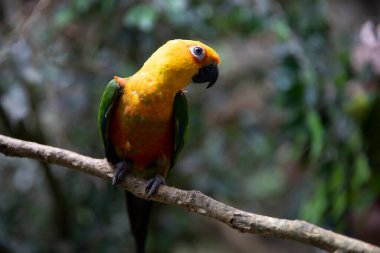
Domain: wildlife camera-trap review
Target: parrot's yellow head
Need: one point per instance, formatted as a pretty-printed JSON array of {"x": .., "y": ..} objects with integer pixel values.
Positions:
[{"x": 181, "y": 62}]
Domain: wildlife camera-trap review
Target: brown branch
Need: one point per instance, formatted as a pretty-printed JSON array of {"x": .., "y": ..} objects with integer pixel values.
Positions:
[{"x": 193, "y": 201}]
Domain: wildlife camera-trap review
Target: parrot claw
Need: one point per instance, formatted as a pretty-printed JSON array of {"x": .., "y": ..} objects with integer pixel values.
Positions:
[
  {"x": 121, "y": 169},
  {"x": 153, "y": 185}
]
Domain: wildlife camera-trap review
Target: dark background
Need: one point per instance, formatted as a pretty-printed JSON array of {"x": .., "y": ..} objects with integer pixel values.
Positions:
[{"x": 291, "y": 129}]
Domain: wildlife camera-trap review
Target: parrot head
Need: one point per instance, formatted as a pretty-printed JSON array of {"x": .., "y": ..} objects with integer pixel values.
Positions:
[
  {"x": 186, "y": 61},
  {"x": 208, "y": 72}
]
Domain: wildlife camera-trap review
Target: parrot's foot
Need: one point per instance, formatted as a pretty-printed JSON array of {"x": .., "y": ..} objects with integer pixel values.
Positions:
[
  {"x": 121, "y": 169},
  {"x": 153, "y": 185}
]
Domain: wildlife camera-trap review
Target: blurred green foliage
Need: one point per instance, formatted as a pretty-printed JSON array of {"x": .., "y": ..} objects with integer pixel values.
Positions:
[{"x": 290, "y": 129}]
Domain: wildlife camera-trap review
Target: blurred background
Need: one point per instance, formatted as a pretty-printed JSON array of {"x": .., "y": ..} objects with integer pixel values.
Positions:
[{"x": 291, "y": 129}]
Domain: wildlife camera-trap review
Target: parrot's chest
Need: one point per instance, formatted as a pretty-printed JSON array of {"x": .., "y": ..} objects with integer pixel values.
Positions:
[{"x": 142, "y": 130}]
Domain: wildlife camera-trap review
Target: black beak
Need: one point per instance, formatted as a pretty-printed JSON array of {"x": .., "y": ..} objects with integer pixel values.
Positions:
[{"x": 208, "y": 73}]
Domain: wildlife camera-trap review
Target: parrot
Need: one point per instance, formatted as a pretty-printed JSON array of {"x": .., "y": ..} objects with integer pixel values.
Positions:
[{"x": 143, "y": 120}]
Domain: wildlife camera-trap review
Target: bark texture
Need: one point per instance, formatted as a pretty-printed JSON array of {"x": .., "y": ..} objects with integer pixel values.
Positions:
[{"x": 193, "y": 201}]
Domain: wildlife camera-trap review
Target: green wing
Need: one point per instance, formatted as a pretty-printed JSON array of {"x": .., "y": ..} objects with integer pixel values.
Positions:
[
  {"x": 181, "y": 121},
  {"x": 110, "y": 95}
]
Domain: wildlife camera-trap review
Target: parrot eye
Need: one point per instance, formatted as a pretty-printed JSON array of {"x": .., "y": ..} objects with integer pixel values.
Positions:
[{"x": 198, "y": 52}]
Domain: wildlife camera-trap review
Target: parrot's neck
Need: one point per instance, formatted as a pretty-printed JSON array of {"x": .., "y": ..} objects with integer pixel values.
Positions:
[
  {"x": 153, "y": 89},
  {"x": 164, "y": 78}
]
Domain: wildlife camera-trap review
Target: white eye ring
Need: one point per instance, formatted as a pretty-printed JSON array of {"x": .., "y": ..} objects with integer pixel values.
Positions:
[{"x": 198, "y": 52}]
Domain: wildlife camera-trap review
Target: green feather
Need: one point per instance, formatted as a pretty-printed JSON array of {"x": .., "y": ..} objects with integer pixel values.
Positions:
[
  {"x": 181, "y": 119},
  {"x": 110, "y": 95}
]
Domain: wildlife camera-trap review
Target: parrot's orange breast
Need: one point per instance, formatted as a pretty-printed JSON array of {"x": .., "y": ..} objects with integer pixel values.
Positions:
[{"x": 142, "y": 127}]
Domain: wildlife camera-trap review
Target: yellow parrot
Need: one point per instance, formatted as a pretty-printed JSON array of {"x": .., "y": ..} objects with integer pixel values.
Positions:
[{"x": 142, "y": 119}]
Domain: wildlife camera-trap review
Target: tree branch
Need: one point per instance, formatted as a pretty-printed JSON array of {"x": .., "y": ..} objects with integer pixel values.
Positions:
[{"x": 193, "y": 201}]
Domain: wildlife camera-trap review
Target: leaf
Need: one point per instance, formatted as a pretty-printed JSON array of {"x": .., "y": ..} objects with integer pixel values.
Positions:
[
  {"x": 142, "y": 16},
  {"x": 362, "y": 172},
  {"x": 82, "y": 5},
  {"x": 313, "y": 210},
  {"x": 63, "y": 17},
  {"x": 281, "y": 29},
  {"x": 316, "y": 132},
  {"x": 337, "y": 190}
]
